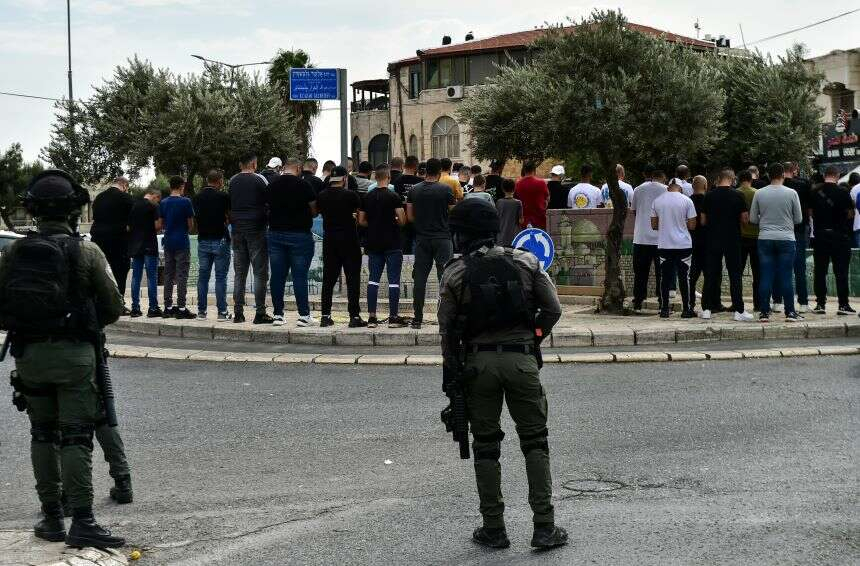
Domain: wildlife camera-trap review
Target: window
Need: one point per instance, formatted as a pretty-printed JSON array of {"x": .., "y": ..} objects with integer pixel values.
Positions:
[
  {"x": 443, "y": 73},
  {"x": 377, "y": 150},
  {"x": 445, "y": 138},
  {"x": 356, "y": 150},
  {"x": 414, "y": 81},
  {"x": 482, "y": 67},
  {"x": 413, "y": 145},
  {"x": 433, "y": 73}
]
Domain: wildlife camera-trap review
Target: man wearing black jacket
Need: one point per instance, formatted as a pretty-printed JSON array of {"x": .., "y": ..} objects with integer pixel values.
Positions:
[
  {"x": 309, "y": 174},
  {"x": 109, "y": 230}
]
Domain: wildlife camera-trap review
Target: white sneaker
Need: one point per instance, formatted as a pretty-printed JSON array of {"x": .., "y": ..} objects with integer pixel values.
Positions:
[
  {"x": 278, "y": 320},
  {"x": 802, "y": 308},
  {"x": 777, "y": 307},
  {"x": 698, "y": 295},
  {"x": 743, "y": 317},
  {"x": 672, "y": 294},
  {"x": 304, "y": 321},
  {"x": 705, "y": 315}
]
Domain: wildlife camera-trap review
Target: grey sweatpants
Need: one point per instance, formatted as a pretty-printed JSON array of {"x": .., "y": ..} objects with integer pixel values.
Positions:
[
  {"x": 176, "y": 265},
  {"x": 250, "y": 251}
]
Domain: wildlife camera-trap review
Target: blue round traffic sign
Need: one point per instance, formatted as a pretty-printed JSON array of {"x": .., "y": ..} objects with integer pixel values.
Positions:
[{"x": 537, "y": 242}]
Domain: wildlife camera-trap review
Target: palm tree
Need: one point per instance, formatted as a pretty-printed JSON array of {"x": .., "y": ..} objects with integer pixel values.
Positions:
[{"x": 305, "y": 112}]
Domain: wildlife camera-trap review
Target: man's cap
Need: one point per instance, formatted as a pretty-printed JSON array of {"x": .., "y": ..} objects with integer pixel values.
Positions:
[
  {"x": 275, "y": 162},
  {"x": 338, "y": 173},
  {"x": 558, "y": 170}
]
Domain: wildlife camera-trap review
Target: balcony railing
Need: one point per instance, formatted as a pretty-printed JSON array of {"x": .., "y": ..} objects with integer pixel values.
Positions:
[{"x": 380, "y": 103}]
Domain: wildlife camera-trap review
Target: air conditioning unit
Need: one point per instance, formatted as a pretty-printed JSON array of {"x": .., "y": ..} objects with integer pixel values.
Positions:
[{"x": 455, "y": 92}]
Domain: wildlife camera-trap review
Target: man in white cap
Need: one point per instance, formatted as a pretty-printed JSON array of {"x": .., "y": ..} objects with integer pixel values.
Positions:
[
  {"x": 626, "y": 187},
  {"x": 557, "y": 192},
  {"x": 273, "y": 169}
]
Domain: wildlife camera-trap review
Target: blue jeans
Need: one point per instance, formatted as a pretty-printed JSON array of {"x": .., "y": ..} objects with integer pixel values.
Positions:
[
  {"x": 776, "y": 262},
  {"x": 290, "y": 253},
  {"x": 801, "y": 242},
  {"x": 392, "y": 262},
  {"x": 213, "y": 253},
  {"x": 138, "y": 264}
]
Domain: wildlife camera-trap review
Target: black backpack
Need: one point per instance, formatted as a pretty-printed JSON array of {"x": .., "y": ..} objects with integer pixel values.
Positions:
[
  {"x": 498, "y": 299},
  {"x": 39, "y": 294}
]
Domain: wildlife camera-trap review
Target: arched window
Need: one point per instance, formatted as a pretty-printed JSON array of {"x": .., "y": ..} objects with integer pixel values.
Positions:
[
  {"x": 377, "y": 150},
  {"x": 356, "y": 151},
  {"x": 413, "y": 146},
  {"x": 445, "y": 137}
]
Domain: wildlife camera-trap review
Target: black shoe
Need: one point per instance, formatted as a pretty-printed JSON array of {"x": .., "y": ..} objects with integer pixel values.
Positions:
[
  {"x": 372, "y": 322},
  {"x": 238, "y": 317},
  {"x": 764, "y": 317},
  {"x": 719, "y": 309},
  {"x": 135, "y": 313},
  {"x": 819, "y": 309},
  {"x": 546, "y": 537},
  {"x": 125, "y": 311},
  {"x": 326, "y": 321},
  {"x": 415, "y": 324},
  {"x": 86, "y": 532},
  {"x": 51, "y": 527},
  {"x": 263, "y": 318},
  {"x": 492, "y": 538},
  {"x": 184, "y": 314},
  {"x": 397, "y": 322},
  {"x": 154, "y": 313},
  {"x": 664, "y": 313},
  {"x": 688, "y": 314},
  {"x": 357, "y": 322},
  {"x": 845, "y": 310},
  {"x": 793, "y": 317},
  {"x": 121, "y": 492},
  {"x": 170, "y": 312}
]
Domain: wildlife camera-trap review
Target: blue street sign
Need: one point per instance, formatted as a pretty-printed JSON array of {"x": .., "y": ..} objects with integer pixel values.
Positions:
[
  {"x": 537, "y": 242},
  {"x": 313, "y": 84}
]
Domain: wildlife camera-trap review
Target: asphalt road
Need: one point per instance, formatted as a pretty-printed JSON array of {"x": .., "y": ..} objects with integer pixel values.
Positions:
[{"x": 751, "y": 462}]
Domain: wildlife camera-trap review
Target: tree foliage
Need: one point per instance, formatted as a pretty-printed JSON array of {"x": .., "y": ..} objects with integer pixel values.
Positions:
[
  {"x": 304, "y": 112},
  {"x": 15, "y": 175},
  {"x": 770, "y": 112},
  {"x": 599, "y": 88},
  {"x": 144, "y": 116}
]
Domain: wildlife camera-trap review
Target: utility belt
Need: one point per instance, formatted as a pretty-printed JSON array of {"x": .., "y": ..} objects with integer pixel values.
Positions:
[{"x": 527, "y": 349}]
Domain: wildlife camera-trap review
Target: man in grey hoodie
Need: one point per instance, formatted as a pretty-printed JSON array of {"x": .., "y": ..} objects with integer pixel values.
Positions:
[
  {"x": 362, "y": 178},
  {"x": 776, "y": 210}
]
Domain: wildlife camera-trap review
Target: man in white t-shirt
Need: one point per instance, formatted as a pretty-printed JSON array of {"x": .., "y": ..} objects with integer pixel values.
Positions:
[
  {"x": 855, "y": 194},
  {"x": 682, "y": 173},
  {"x": 644, "y": 236},
  {"x": 673, "y": 215},
  {"x": 628, "y": 190},
  {"x": 584, "y": 195}
]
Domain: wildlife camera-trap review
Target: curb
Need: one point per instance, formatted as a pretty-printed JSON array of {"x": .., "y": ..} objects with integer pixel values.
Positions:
[
  {"x": 569, "y": 337},
  {"x": 134, "y": 352}
]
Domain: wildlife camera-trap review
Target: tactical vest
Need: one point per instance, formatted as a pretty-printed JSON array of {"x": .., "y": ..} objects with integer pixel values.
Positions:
[{"x": 498, "y": 300}]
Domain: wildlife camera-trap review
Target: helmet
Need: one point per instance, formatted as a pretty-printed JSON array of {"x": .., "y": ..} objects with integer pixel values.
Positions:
[
  {"x": 475, "y": 216},
  {"x": 53, "y": 193}
]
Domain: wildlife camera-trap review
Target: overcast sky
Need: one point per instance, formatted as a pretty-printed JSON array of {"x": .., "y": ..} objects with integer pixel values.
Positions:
[{"x": 360, "y": 36}]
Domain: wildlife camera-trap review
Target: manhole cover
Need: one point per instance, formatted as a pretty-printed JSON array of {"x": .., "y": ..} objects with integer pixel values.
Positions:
[{"x": 592, "y": 485}]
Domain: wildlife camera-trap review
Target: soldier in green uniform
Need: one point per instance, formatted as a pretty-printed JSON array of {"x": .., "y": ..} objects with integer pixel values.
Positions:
[
  {"x": 56, "y": 291},
  {"x": 504, "y": 303}
]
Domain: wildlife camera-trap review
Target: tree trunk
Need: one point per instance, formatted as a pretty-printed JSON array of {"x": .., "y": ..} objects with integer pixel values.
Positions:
[{"x": 612, "y": 301}]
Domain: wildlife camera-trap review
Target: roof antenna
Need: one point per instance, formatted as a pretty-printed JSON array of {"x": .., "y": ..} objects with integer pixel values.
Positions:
[{"x": 697, "y": 27}]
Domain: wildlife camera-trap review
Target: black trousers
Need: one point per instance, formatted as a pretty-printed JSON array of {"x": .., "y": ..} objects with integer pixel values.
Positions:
[
  {"x": 116, "y": 253},
  {"x": 676, "y": 262},
  {"x": 749, "y": 250},
  {"x": 827, "y": 251},
  {"x": 697, "y": 269},
  {"x": 712, "y": 295},
  {"x": 341, "y": 253},
  {"x": 644, "y": 256}
]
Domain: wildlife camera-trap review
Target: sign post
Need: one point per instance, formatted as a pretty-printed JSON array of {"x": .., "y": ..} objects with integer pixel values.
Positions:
[{"x": 324, "y": 84}]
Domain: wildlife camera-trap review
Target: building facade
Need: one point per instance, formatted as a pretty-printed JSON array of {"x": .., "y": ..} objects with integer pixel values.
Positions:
[{"x": 416, "y": 107}]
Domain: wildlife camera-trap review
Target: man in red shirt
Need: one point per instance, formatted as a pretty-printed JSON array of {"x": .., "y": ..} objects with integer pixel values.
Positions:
[{"x": 534, "y": 194}]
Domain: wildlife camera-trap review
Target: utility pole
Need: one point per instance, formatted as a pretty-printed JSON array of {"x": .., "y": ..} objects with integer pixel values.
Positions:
[
  {"x": 69, "y": 35},
  {"x": 344, "y": 116}
]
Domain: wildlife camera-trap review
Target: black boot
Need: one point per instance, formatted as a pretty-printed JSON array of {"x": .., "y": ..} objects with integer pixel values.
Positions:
[
  {"x": 86, "y": 532},
  {"x": 51, "y": 528},
  {"x": 121, "y": 492},
  {"x": 492, "y": 538},
  {"x": 548, "y": 536}
]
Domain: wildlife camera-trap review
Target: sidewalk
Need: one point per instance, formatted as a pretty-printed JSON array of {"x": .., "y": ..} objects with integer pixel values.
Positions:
[
  {"x": 578, "y": 327},
  {"x": 21, "y": 547}
]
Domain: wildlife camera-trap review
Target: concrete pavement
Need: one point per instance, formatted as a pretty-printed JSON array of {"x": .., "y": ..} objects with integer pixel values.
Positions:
[{"x": 690, "y": 463}]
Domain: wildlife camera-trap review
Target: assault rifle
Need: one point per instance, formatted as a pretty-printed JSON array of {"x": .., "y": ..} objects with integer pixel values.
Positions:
[
  {"x": 103, "y": 379},
  {"x": 456, "y": 415}
]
